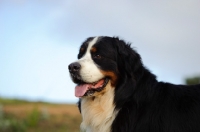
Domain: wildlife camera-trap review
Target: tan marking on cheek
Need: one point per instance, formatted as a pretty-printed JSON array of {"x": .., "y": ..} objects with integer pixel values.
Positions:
[{"x": 112, "y": 75}]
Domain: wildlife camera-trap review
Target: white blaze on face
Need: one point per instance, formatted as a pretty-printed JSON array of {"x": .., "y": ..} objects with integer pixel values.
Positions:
[{"x": 89, "y": 70}]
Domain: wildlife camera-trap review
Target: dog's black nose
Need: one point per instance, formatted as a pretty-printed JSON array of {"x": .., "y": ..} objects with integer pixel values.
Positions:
[{"x": 74, "y": 67}]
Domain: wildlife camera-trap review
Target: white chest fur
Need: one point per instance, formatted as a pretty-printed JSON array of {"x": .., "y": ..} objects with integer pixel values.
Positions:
[{"x": 98, "y": 113}]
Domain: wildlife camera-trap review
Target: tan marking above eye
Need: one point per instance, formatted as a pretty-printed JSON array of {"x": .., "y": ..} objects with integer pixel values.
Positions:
[
  {"x": 82, "y": 49},
  {"x": 93, "y": 49}
]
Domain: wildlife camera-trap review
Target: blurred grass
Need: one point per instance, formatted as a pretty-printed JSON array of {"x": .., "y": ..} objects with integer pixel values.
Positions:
[
  {"x": 24, "y": 116},
  {"x": 12, "y": 101}
]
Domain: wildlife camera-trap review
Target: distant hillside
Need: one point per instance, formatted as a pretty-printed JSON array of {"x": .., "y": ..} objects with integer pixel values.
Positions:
[{"x": 24, "y": 116}]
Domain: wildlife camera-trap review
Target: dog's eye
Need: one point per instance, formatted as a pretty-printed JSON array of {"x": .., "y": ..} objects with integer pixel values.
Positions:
[{"x": 97, "y": 56}]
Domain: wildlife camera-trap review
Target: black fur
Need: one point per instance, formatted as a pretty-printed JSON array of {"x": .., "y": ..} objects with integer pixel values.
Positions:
[{"x": 144, "y": 104}]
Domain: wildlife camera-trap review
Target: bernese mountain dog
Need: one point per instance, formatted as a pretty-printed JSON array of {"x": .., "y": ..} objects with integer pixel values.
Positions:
[{"x": 117, "y": 93}]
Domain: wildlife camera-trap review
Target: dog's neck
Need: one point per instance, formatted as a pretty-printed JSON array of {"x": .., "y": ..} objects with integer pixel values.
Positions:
[{"x": 98, "y": 112}]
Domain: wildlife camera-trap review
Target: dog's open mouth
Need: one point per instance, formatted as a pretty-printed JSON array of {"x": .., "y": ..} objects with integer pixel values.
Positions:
[{"x": 88, "y": 89}]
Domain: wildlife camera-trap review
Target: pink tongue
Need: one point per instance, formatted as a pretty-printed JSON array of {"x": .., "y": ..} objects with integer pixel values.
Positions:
[{"x": 80, "y": 90}]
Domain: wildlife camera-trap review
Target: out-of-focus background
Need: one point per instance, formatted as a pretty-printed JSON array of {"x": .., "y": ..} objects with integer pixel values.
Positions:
[{"x": 38, "y": 39}]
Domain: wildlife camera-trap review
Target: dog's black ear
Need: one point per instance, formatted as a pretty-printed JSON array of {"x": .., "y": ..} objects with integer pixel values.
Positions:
[
  {"x": 129, "y": 61},
  {"x": 129, "y": 67}
]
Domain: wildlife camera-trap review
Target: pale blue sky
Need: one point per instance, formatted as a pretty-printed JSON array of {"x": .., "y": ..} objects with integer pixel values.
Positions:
[{"x": 38, "y": 39}]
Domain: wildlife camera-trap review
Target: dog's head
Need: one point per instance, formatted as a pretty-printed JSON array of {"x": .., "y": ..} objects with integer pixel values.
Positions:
[{"x": 102, "y": 61}]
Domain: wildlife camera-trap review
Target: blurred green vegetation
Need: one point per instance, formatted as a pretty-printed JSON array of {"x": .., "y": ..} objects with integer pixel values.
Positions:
[
  {"x": 23, "y": 116},
  {"x": 12, "y": 101},
  {"x": 192, "y": 80},
  {"x": 10, "y": 124},
  {"x": 33, "y": 118}
]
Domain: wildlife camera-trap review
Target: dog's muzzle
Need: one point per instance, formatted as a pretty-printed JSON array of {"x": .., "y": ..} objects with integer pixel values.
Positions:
[{"x": 74, "y": 69}]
